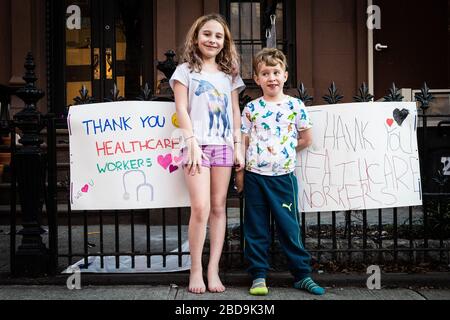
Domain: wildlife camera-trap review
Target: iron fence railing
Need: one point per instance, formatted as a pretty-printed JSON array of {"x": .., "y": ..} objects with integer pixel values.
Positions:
[{"x": 413, "y": 235}]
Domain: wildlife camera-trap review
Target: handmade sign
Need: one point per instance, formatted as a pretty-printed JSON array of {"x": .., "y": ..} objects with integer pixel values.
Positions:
[
  {"x": 125, "y": 155},
  {"x": 364, "y": 156}
]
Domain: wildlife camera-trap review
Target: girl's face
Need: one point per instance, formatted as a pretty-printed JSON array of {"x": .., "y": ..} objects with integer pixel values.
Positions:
[{"x": 211, "y": 39}]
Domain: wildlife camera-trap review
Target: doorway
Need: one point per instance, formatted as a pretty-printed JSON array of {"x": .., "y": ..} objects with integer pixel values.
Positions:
[
  {"x": 111, "y": 44},
  {"x": 412, "y": 45}
]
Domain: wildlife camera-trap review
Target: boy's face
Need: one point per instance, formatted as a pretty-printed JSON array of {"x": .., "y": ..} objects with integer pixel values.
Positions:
[{"x": 271, "y": 79}]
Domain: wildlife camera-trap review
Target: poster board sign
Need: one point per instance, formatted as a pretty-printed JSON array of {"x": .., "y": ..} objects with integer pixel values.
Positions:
[
  {"x": 364, "y": 156},
  {"x": 125, "y": 155}
]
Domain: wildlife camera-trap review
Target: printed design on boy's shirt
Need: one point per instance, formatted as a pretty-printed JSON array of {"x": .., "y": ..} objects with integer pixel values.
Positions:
[
  {"x": 273, "y": 130},
  {"x": 287, "y": 165},
  {"x": 279, "y": 115},
  {"x": 271, "y": 151},
  {"x": 268, "y": 114},
  {"x": 304, "y": 121},
  {"x": 292, "y": 116},
  {"x": 263, "y": 164},
  {"x": 290, "y": 127},
  {"x": 265, "y": 126},
  {"x": 291, "y": 105},
  {"x": 254, "y": 117},
  {"x": 258, "y": 149},
  {"x": 303, "y": 117},
  {"x": 278, "y": 131},
  {"x": 294, "y": 134},
  {"x": 292, "y": 145},
  {"x": 217, "y": 107}
]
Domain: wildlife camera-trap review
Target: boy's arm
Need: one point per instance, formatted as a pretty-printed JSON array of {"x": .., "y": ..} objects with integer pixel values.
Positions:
[{"x": 304, "y": 139}]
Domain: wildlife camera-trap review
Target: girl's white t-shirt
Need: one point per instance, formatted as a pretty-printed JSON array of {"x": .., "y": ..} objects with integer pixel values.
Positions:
[{"x": 210, "y": 106}]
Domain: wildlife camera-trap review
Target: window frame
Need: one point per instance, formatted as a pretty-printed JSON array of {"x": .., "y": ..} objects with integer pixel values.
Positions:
[{"x": 289, "y": 30}]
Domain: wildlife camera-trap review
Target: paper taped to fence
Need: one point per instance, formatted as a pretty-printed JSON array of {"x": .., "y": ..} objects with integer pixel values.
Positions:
[
  {"x": 364, "y": 156},
  {"x": 125, "y": 155}
]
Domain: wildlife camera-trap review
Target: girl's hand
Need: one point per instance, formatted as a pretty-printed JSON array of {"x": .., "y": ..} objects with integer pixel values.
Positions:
[{"x": 194, "y": 157}]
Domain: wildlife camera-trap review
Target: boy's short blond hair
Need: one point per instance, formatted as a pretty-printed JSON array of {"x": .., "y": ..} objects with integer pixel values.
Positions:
[{"x": 270, "y": 57}]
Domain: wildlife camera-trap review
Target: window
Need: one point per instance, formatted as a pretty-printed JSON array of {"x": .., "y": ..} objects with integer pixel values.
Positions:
[{"x": 248, "y": 21}]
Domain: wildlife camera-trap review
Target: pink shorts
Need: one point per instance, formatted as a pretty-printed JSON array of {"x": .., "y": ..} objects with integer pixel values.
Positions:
[{"x": 216, "y": 156}]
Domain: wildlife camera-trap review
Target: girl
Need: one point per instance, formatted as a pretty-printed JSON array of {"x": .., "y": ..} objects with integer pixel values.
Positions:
[{"x": 206, "y": 88}]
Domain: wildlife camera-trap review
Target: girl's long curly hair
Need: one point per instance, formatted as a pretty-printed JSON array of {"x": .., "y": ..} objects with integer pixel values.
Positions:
[{"x": 227, "y": 59}]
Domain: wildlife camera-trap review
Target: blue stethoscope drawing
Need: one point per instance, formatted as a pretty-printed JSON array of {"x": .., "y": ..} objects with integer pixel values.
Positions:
[{"x": 126, "y": 195}]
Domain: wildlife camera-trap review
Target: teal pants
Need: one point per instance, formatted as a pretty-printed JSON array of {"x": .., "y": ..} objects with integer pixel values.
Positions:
[{"x": 276, "y": 195}]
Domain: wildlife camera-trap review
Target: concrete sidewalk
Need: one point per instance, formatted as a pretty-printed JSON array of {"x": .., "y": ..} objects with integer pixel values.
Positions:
[{"x": 174, "y": 292}]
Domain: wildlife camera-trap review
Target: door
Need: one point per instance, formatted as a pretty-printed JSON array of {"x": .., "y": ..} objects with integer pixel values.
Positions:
[
  {"x": 417, "y": 38},
  {"x": 111, "y": 44}
]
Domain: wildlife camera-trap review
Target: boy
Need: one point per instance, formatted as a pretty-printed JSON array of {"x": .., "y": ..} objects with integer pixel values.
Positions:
[{"x": 275, "y": 127}]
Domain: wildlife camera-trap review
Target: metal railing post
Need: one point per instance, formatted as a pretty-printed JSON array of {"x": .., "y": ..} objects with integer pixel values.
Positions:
[{"x": 32, "y": 256}]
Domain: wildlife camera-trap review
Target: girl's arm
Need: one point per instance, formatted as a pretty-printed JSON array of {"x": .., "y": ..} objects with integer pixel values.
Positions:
[
  {"x": 239, "y": 177},
  {"x": 239, "y": 161},
  {"x": 181, "y": 104},
  {"x": 194, "y": 154}
]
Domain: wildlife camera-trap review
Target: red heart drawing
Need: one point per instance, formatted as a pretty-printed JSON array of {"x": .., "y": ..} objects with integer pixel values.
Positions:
[
  {"x": 177, "y": 160},
  {"x": 390, "y": 122},
  {"x": 173, "y": 168},
  {"x": 85, "y": 188},
  {"x": 165, "y": 161}
]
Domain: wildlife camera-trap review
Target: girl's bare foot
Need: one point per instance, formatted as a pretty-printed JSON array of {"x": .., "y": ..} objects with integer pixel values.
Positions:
[
  {"x": 214, "y": 283},
  {"x": 196, "y": 284}
]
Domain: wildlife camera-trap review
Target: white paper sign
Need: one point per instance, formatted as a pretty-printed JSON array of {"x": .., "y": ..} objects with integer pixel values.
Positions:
[
  {"x": 364, "y": 156},
  {"x": 125, "y": 155}
]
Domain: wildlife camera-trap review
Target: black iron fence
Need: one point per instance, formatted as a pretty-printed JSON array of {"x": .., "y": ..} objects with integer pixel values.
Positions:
[{"x": 413, "y": 236}]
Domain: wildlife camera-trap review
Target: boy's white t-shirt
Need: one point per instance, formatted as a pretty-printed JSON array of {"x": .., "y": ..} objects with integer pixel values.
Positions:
[
  {"x": 273, "y": 132},
  {"x": 210, "y": 107}
]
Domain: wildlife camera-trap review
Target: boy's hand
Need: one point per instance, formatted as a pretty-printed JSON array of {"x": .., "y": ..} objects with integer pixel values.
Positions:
[
  {"x": 239, "y": 162},
  {"x": 239, "y": 181}
]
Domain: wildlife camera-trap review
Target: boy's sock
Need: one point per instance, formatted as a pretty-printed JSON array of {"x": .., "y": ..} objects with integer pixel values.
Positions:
[
  {"x": 309, "y": 285},
  {"x": 259, "y": 287}
]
